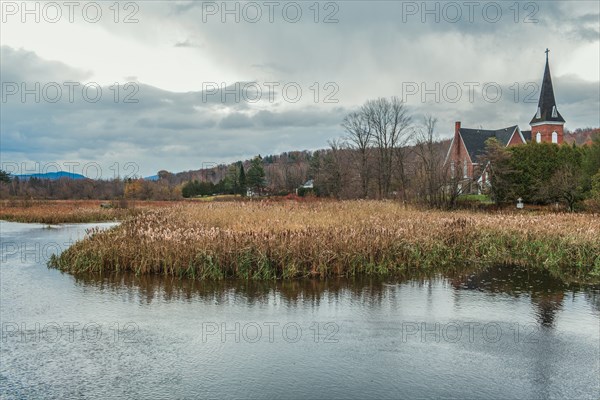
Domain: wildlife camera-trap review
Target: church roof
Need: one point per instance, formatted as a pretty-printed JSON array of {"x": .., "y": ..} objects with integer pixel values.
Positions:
[
  {"x": 474, "y": 139},
  {"x": 547, "y": 111}
]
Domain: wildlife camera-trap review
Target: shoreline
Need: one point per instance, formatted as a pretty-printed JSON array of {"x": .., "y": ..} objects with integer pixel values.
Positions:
[{"x": 323, "y": 240}]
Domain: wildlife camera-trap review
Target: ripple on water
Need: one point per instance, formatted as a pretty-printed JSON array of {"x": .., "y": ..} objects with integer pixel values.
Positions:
[{"x": 163, "y": 348}]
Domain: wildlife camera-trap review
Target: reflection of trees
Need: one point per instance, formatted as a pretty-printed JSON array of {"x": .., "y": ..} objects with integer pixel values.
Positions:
[
  {"x": 593, "y": 297},
  {"x": 547, "y": 305},
  {"x": 149, "y": 288},
  {"x": 547, "y": 295},
  {"x": 546, "y": 292}
]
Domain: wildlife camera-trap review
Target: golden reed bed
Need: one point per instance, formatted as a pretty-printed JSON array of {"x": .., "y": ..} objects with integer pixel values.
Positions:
[
  {"x": 73, "y": 211},
  {"x": 261, "y": 240}
]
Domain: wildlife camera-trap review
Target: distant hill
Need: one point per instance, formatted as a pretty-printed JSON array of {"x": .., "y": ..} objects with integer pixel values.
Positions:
[{"x": 53, "y": 176}]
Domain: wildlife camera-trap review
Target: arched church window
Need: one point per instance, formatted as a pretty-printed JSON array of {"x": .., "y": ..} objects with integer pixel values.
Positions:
[
  {"x": 538, "y": 137},
  {"x": 554, "y": 137}
]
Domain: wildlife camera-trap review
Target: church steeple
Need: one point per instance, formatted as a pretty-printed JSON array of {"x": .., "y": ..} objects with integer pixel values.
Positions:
[
  {"x": 547, "y": 111},
  {"x": 547, "y": 124}
]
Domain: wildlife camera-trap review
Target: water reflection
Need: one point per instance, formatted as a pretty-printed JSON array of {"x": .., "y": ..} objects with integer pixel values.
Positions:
[
  {"x": 546, "y": 293},
  {"x": 153, "y": 287}
]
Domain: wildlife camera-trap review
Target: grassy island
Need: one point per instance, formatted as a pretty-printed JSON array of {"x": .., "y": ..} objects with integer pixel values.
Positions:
[{"x": 284, "y": 240}]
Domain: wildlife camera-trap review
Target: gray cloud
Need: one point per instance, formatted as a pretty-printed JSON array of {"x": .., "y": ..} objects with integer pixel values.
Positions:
[
  {"x": 187, "y": 43},
  {"x": 236, "y": 121},
  {"x": 18, "y": 63},
  {"x": 586, "y": 33},
  {"x": 162, "y": 129},
  {"x": 272, "y": 67},
  {"x": 372, "y": 51}
]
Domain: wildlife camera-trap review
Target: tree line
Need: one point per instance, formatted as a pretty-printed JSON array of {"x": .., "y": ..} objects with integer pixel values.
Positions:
[
  {"x": 236, "y": 181},
  {"x": 384, "y": 152}
]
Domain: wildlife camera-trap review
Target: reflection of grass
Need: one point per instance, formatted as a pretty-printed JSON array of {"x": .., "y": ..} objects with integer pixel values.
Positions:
[{"x": 262, "y": 240}]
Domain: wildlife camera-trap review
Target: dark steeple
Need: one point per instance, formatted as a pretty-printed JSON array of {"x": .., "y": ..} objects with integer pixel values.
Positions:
[{"x": 547, "y": 111}]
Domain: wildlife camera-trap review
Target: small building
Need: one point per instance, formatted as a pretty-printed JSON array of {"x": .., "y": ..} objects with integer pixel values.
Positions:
[{"x": 309, "y": 184}]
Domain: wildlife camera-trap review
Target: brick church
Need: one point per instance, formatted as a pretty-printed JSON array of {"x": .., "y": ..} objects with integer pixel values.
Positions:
[{"x": 468, "y": 145}]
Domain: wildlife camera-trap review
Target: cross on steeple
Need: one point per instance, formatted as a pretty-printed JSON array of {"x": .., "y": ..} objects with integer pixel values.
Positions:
[{"x": 547, "y": 51}]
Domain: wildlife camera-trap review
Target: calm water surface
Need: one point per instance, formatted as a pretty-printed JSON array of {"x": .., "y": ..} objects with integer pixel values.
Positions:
[{"x": 503, "y": 333}]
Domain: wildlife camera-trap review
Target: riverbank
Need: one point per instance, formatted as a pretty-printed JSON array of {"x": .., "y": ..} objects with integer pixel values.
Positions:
[{"x": 258, "y": 240}]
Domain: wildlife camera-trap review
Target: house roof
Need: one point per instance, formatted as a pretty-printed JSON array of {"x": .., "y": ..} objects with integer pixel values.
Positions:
[
  {"x": 547, "y": 103},
  {"x": 526, "y": 135},
  {"x": 474, "y": 139}
]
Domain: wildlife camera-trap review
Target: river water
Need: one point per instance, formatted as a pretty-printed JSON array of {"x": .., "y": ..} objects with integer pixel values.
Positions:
[{"x": 503, "y": 333}]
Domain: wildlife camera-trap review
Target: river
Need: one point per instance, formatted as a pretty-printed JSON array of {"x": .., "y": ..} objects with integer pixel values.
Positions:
[{"x": 502, "y": 333}]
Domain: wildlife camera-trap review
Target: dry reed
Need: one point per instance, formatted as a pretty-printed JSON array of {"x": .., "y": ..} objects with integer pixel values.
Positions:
[
  {"x": 72, "y": 211},
  {"x": 258, "y": 240}
]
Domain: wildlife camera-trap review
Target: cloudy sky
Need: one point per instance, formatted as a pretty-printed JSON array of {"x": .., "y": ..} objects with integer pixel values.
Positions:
[{"x": 178, "y": 85}]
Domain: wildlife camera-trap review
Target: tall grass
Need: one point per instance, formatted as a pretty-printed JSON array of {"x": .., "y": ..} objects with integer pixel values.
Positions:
[
  {"x": 72, "y": 211},
  {"x": 255, "y": 240}
]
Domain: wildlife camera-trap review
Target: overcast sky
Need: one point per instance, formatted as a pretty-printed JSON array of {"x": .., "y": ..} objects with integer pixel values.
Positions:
[{"x": 161, "y": 67}]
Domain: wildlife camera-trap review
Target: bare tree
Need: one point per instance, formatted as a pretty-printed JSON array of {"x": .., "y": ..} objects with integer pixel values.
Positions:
[
  {"x": 359, "y": 137},
  {"x": 430, "y": 163},
  {"x": 565, "y": 185},
  {"x": 333, "y": 172},
  {"x": 390, "y": 122},
  {"x": 500, "y": 173}
]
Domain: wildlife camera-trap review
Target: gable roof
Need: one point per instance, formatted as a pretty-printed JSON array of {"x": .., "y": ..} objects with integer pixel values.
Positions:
[
  {"x": 526, "y": 135},
  {"x": 474, "y": 139},
  {"x": 547, "y": 103}
]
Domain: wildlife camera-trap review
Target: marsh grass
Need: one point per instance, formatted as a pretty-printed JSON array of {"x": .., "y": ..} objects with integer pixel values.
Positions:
[
  {"x": 256, "y": 240},
  {"x": 72, "y": 211}
]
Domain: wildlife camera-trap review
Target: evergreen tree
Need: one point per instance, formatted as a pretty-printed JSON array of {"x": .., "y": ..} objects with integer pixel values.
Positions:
[
  {"x": 591, "y": 162},
  {"x": 195, "y": 188},
  {"x": 256, "y": 175},
  {"x": 230, "y": 184},
  {"x": 536, "y": 172},
  {"x": 4, "y": 176},
  {"x": 242, "y": 179},
  {"x": 595, "y": 191}
]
